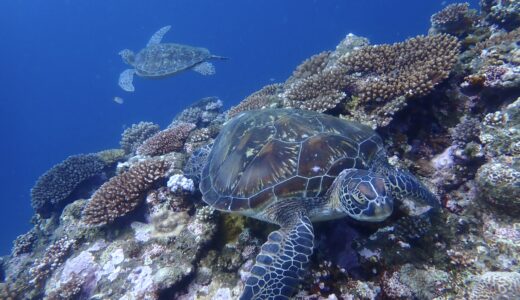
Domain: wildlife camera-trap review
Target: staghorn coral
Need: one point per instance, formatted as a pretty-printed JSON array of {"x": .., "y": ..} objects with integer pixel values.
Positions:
[
  {"x": 496, "y": 285},
  {"x": 134, "y": 136},
  {"x": 454, "y": 19},
  {"x": 52, "y": 189},
  {"x": 54, "y": 256},
  {"x": 166, "y": 141},
  {"x": 123, "y": 193},
  {"x": 263, "y": 98}
]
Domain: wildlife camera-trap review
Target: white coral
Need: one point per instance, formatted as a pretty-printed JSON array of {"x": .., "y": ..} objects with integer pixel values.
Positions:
[{"x": 179, "y": 183}]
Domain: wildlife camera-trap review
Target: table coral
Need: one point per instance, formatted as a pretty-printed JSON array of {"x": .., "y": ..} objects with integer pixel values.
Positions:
[{"x": 52, "y": 189}]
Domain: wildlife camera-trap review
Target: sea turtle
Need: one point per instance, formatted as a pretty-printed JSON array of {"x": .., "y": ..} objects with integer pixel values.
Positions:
[
  {"x": 291, "y": 167},
  {"x": 158, "y": 60}
]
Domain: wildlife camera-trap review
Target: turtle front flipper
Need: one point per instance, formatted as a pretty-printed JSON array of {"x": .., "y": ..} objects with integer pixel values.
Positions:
[
  {"x": 125, "y": 80},
  {"x": 157, "y": 37},
  {"x": 282, "y": 261},
  {"x": 406, "y": 186}
]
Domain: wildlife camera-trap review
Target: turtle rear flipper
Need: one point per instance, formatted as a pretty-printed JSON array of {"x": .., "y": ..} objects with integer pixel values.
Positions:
[
  {"x": 157, "y": 37},
  {"x": 205, "y": 68},
  {"x": 282, "y": 261},
  {"x": 125, "y": 80}
]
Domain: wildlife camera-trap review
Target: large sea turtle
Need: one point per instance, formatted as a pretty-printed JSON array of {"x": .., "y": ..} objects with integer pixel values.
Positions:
[
  {"x": 158, "y": 60},
  {"x": 291, "y": 168}
]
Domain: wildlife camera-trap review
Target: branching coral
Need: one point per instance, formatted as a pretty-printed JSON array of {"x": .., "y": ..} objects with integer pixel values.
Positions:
[
  {"x": 54, "y": 256},
  {"x": 54, "y": 187},
  {"x": 311, "y": 66},
  {"x": 166, "y": 141},
  {"x": 455, "y": 18},
  {"x": 411, "y": 68},
  {"x": 318, "y": 92},
  {"x": 504, "y": 13},
  {"x": 259, "y": 99},
  {"x": 123, "y": 193},
  {"x": 200, "y": 113},
  {"x": 134, "y": 136}
]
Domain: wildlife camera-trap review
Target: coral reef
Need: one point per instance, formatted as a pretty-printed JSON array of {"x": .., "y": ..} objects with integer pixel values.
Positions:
[
  {"x": 166, "y": 141},
  {"x": 52, "y": 190},
  {"x": 504, "y": 13},
  {"x": 135, "y": 135},
  {"x": 123, "y": 193},
  {"x": 460, "y": 133}
]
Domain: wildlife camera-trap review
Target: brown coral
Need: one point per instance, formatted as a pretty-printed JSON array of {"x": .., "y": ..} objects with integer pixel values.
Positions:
[
  {"x": 411, "y": 68},
  {"x": 497, "y": 39},
  {"x": 123, "y": 193},
  {"x": 54, "y": 256},
  {"x": 259, "y": 99},
  {"x": 455, "y": 18},
  {"x": 166, "y": 141},
  {"x": 311, "y": 66},
  {"x": 135, "y": 135},
  {"x": 319, "y": 92}
]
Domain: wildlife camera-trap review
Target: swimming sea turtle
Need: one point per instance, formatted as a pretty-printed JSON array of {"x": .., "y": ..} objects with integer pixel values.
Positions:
[
  {"x": 292, "y": 167},
  {"x": 164, "y": 59}
]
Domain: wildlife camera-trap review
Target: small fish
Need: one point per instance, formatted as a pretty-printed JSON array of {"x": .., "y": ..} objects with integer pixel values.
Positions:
[{"x": 118, "y": 100}]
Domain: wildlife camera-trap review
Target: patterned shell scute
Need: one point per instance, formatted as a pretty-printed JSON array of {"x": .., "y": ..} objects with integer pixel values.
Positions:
[
  {"x": 167, "y": 59},
  {"x": 273, "y": 154}
]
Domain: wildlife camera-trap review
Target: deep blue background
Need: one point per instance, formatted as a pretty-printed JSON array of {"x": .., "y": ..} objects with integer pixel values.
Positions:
[{"x": 59, "y": 68}]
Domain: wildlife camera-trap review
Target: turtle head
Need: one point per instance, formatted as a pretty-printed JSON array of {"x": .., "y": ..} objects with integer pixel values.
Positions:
[
  {"x": 128, "y": 56},
  {"x": 364, "y": 195}
]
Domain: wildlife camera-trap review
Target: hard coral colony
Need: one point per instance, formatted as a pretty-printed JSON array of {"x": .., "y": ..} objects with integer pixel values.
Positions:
[{"x": 444, "y": 107}]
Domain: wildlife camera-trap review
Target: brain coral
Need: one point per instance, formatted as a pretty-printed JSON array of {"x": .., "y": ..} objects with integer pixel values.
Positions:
[
  {"x": 124, "y": 192},
  {"x": 497, "y": 285},
  {"x": 54, "y": 187}
]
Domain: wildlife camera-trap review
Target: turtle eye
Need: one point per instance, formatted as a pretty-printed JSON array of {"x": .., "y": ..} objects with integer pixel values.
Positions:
[{"x": 359, "y": 197}]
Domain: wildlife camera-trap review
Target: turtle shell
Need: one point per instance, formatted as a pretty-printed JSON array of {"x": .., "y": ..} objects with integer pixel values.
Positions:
[
  {"x": 167, "y": 59},
  {"x": 269, "y": 155}
]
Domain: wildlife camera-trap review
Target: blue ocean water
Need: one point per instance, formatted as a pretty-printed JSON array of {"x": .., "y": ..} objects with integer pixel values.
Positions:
[{"x": 60, "y": 68}]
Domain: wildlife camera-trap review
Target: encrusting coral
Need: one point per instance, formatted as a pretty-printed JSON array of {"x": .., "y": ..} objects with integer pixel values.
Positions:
[
  {"x": 52, "y": 189},
  {"x": 135, "y": 135},
  {"x": 166, "y": 141},
  {"x": 124, "y": 192}
]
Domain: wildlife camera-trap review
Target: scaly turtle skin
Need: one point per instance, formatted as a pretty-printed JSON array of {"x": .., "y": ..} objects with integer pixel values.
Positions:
[
  {"x": 291, "y": 168},
  {"x": 158, "y": 60}
]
